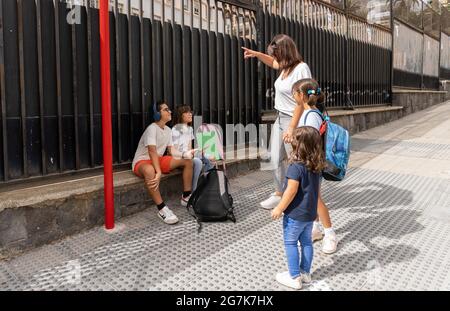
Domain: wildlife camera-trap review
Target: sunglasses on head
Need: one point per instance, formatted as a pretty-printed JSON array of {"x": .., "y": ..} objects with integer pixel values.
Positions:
[{"x": 166, "y": 109}]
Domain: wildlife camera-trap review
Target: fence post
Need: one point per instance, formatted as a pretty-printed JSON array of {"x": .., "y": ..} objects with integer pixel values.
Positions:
[{"x": 106, "y": 113}]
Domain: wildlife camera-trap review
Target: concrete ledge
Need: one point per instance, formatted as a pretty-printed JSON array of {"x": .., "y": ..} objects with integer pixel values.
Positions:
[
  {"x": 405, "y": 102},
  {"x": 34, "y": 216},
  {"x": 445, "y": 87},
  {"x": 362, "y": 119},
  {"x": 406, "y": 90},
  {"x": 356, "y": 120}
]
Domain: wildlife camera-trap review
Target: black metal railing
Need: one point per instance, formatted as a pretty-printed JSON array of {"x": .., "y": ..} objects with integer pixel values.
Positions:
[
  {"x": 351, "y": 59},
  {"x": 186, "y": 53}
]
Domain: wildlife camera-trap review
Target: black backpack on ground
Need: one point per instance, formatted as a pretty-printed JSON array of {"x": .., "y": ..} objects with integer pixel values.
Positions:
[{"x": 211, "y": 201}]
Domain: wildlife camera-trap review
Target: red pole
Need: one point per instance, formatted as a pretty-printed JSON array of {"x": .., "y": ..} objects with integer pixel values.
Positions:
[{"x": 106, "y": 113}]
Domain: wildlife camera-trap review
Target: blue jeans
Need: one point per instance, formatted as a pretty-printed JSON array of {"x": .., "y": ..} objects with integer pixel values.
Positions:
[
  {"x": 197, "y": 169},
  {"x": 294, "y": 231}
]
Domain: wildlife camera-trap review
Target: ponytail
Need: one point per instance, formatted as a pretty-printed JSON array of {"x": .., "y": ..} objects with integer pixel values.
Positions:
[{"x": 311, "y": 89}]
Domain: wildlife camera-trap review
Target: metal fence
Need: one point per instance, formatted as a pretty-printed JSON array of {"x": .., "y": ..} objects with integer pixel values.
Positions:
[
  {"x": 185, "y": 51},
  {"x": 350, "y": 58},
  {"x": 50, "y": 81}
]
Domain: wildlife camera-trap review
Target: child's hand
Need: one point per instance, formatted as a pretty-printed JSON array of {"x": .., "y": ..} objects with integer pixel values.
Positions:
[
  {"x": 276, "y": 213},
  {"x": 288, "y": 135},
  {"x": 192, "y": 152}
]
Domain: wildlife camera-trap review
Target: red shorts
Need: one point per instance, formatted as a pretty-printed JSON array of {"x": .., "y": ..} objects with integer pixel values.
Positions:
[{"x": 164, "y": 164}]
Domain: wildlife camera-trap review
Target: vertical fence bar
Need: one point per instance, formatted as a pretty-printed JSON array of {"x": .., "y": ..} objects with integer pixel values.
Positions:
[
  {"x": 118, "y": 75},
  {"x": 173, "y": 13},
  {"x": 58, "y": 85},
  {"x": 75, "y": 94},
  {"x": 163, "y": 12},
  {"x": 41, "y": 85},
  {"x": 20, "y": 30},
  {"x": 201, "y": 63},
  {"x": 91, "y": 93},
  {"x": 131, "y": 78},
  {"x": 175, "y": 72},
  {"x": 141, "y": 40},
  {"x": 3, "y": 96},
  {"x": 191, "y": 84},
  {"x": 212, "y": 74},
  {"x": 183, "y": 55},
  {"x": 241, "y": 70},
  {"x": 219, "y": 76}
]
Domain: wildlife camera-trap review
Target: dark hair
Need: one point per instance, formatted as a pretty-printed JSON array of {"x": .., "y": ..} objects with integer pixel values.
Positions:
[
  {"x": 285, "y": 52},
  {"x": 159, "y": 103},
  {"x": 308, "y": 148},
  {"x": 179, "y": 113},
  {"x": 311, "y": 89}
]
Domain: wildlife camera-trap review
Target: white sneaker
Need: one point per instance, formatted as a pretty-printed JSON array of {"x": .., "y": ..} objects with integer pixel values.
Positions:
[
  {"x": 306, "y": 278},
  {"x": 317, "y": 234},
  {"x": 271, "y": 202},
  {"x": 184, "y": 201},
  {"x": 285, "y": 279},
  {"x": 167, "y": 216},
  {"x": 330, "y": 242}
]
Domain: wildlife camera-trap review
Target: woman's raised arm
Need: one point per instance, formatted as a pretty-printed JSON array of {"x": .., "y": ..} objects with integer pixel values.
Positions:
[{"x": 266, "y": 59}]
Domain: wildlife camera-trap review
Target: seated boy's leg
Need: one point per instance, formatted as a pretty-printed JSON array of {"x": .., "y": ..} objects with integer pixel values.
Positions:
[
  {"x": 187, "y": 166},
  {"x": 197, "y": 170},
  {"x": 307, "y": 248},
  {"x": 208, "y": 164},
  {"x": 147, "y": 171}
]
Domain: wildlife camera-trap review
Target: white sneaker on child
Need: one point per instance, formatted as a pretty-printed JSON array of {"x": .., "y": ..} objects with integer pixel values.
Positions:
[
  {"x": 306, "y": 278},
  {"x": 184, "y": 200},
  {"x": 285, "y": 279},
  {"x": 330, "y": 242},
  {"x": 166, "y": 215},
  {"x": 271, "y": 202},
  {"x": 317, "y": 234}
]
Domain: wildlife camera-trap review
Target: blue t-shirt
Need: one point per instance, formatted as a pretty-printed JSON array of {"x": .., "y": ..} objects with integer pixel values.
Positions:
[{"x": 304, "y": 205}]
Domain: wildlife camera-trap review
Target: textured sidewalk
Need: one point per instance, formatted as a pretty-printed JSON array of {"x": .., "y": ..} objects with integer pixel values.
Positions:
[{"x": 391, "y": 214}]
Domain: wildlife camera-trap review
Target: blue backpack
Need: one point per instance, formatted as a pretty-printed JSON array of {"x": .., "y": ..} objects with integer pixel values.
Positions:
[{"x": 337, "y": 148}]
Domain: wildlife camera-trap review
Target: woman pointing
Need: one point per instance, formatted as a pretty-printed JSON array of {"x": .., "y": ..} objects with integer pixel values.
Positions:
[{"x": 284, "y": 56}]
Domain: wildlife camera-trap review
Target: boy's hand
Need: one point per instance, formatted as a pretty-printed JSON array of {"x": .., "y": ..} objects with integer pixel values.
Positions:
[
  {"x": 192, "y": 152},
  {"x": 154, "y": 183},
  {"x": 276, "y": 213}
]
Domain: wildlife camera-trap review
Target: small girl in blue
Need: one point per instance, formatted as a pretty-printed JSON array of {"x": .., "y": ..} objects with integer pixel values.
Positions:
[{"x": 299, "y": 204}]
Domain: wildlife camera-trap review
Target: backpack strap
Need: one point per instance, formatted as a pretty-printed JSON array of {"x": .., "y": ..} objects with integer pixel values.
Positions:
[
  {"x": 190, "y": 206},
  {"x": 325, "y": 119},
  {"x": 316, "y": 111},
  {"x": 192, "y": 213}
]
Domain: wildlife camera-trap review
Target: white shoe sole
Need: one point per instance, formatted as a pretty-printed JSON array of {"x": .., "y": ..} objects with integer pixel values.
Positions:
[
  {"x": 328, "y": 252},
  {"x": 169, "y": 222},
  {"x": 288, "y": 285},
  {"x": 266, "y": 207}
]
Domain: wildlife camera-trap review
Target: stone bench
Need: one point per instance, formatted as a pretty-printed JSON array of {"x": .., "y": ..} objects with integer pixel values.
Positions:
[{"x": 35, "y": 215}]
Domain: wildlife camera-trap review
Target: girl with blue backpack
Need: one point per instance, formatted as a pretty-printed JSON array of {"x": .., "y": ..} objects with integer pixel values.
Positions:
[{"x": 307, "y": 93}]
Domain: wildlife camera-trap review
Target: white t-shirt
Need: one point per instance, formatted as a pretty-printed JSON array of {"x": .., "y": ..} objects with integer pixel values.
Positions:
[
  {"x": 284, "y": 101},
  {"x": 314, "y": 119},
  {"x": 153, "y": 136},
  {"x": 182, "y": 136}
]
